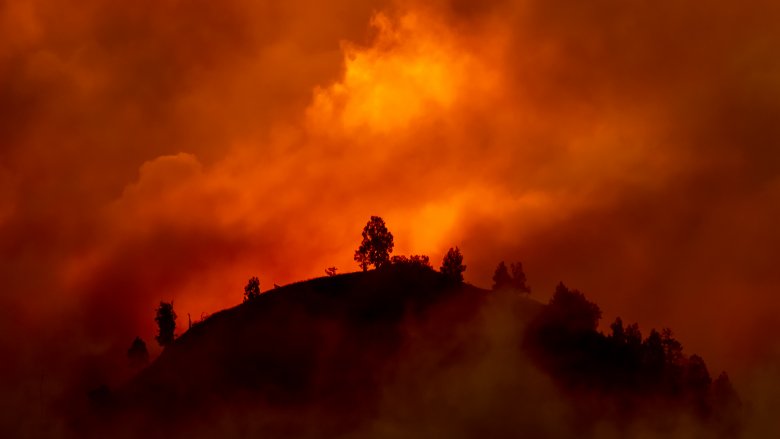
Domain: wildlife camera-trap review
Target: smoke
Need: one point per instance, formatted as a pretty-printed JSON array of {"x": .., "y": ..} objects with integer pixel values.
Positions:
[
  {"x": 169, "y": 150},
  {"x": 459, "y": 372}
]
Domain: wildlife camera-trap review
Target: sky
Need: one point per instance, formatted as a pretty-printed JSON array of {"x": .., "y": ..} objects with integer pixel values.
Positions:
[{"x": 169, "y": 150}]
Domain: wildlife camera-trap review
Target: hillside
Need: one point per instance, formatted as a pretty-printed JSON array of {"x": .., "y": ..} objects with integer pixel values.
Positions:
[
  {"x": 331, "y": 343},
  {"x": 403, "y": 352},
  {"x": 319, "y": 339}
]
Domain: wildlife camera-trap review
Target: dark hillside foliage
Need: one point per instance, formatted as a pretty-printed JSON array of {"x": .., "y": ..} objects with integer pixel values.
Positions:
[
  {"x": 452, "y": 265},
  {"x": 324, "y": 341},
  {"x": 319, "y": 358},
  {"x": 419, "y": 260},
  {"x": 516, "y": 280},
  {"x": 631, "y": 376}
]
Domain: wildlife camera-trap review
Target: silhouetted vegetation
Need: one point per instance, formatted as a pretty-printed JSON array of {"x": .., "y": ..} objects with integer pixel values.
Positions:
[
  {"x": 519, "y": 281},
  {"x": 416, "y": 260},
  {"x": 137, "y": 355},
  {"x": 166, "y": 324},
  {"x": 452, "y": 266},
  {"x": 252, "y": 289},
  {"x": 376, "y": 246},
  {"x": 503, "y": 279},
  {"x": 334, "y": 343},
  {"x": 325, "y": 338},
  {"x": 564, "y": 341},
  {"x": 336, "y": 340}
]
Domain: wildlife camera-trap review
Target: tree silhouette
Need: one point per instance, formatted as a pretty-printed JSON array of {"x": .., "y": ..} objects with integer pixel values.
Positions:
[
  {"x": 331, "y": 271},
  {"x": 452, "y": 265},
  {"x": 570, "y": 310},
  {"x": 697, "y": 375},
  {"x": 563, "y": 339},
  {"x": 618, "y": 332},
  {"x": 137, "y": 354},
  {"x": 420, "y": 260},
  {"x": 518, "y": 278},
  {"x": 725, "y": 398},
  {"x": 633, "y": 336},
  {"x": 501, "y": 278},
  {"x": 166, "y": 323},
  {"x": 653, "y": 358},
  {"x": 252, "y": 289},
  {"x": 672, "y": 348},
  {"x": 376, "y": 246},
  {"x": 413, "y": 260}
]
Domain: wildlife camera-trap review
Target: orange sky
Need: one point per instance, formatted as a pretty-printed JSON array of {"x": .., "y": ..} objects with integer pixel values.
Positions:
[{"x": 168, "y": 150}]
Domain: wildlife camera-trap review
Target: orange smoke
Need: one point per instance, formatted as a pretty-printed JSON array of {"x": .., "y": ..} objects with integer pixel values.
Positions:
[
  {"x": 413, "y": 70},
  {"x": 169, "y": 150}
]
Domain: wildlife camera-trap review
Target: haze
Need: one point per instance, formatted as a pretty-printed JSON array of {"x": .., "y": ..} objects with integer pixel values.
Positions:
[{"x": 168, "y": 150}]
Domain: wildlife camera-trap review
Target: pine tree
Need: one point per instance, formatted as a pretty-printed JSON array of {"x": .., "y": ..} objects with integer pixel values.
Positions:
[
  {"x": 501, "y": 277},
  {"x": 252, "y": 289},
  {"x": 166, "y": 324},
  {"x": 376, "y": 246},
  {"x": 452, "y": 265}
]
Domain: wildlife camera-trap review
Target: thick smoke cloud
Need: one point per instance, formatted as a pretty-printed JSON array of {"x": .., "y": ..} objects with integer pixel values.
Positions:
[{"x": 169, "y": 150}]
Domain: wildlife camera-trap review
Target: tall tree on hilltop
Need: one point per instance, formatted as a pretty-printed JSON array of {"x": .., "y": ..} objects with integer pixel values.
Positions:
[
  {"x": 252, "y": 289},
  {"x": 571, "y": 311},
  {"x": 518, "y": 278},
  {"x": 501, "y": 278},
  {"x": 376, "y": 246},
  {"x": 452, "y": 265},
  {"x": 166, "y": 323},
  {"x": 618, "y": 332}
]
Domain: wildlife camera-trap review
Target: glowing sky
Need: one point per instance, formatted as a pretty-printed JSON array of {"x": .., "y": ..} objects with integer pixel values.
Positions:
[{"x": 171, "y": 149}]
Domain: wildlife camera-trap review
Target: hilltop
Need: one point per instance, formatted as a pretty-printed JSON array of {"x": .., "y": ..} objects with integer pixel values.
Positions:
[
  {"x": 401, "y": 350},
  {"x": 328, "y": 344},
  {"x": 309, "y": 341}
]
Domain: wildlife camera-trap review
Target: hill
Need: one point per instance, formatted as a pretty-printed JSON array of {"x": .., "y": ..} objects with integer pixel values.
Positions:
[
  {"x": 329, "y": 344},
  {"x": 401, "y": 352},
  {"x": 321, "y": 339}
]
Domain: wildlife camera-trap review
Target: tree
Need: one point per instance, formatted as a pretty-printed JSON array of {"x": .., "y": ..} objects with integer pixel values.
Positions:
[
  {"x": 726, "y": 405},
  {"x": 673, "y": 350},
  {"x": 331, "y": 271},
  {"x": 698, "y": 377},
  {"x": 501, "y": 278},
  {"x": 252, "y": 289},
  {"x": 633, "y": 336},
  {"x": 166, "y": 323},
  {"x": 723, "y": 394},
  {"x": 399, "y": 260},
  {"x": 376, "y": 246},
  {"x": 137, "y": 354},
  {"x": 420, "y": 260},
  {"x": 653, "y": 356},
  {"x": 452, "y": 265},
  {"x": 570, "y": 310},
  {"x": 413, "y": 260},
  {"x": 518, "y": 278},
  {"x": 618, "y": 332}
]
